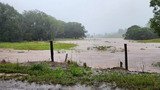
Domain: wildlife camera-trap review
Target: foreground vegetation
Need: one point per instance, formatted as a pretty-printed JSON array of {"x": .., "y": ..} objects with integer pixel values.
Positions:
[
  {"x": 36, "y": 45},
  {"x": 71, "y": 73}
]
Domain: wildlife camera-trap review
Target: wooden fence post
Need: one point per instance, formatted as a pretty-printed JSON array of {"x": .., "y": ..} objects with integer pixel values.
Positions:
[
  {"x": 52, "y": 51},
  {"x": 66, "y": 57},
  {"x": 126, "y": 57},
  {"x": 121, "y": 64}
]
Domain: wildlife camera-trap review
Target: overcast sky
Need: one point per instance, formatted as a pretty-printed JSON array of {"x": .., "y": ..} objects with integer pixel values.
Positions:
[{"x": 98, "y": 16}]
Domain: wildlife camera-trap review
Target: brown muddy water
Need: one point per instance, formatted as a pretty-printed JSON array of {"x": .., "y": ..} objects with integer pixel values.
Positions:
[
  {"x": 141, "y": 55},
  {"x": 17, "y": 85}
]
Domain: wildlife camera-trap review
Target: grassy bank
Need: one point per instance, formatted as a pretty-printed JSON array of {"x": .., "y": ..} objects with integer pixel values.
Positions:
[
  {"x": 71, "y": 74},
  {"x": 150, "y": 41},
  {"x": 36, "y": 45}
]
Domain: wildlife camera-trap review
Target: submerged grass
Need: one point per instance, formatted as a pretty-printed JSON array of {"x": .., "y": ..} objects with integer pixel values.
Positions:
[
  {"x": 157, "y": 64},
  {"x": 75, "y": 74},
  {"x": 150, "y": 41},
  {"x": 36, "y": 45}
]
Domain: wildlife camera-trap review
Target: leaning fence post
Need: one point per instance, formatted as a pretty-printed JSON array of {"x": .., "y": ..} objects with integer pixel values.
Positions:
[
  {"x": 121, "y": 64},
  {"x": 66, "y": 57},
  {"x": 126, "y": 57},
  {"x": 52, "y": 51}
]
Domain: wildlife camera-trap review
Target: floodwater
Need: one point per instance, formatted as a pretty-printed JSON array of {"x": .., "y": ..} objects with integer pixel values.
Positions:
[
  {"x": 18, "y": 85},
  {"x": 141, "y": 56}
]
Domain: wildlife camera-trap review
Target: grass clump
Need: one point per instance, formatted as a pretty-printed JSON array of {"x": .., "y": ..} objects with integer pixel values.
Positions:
[
  {"x": 156, "y": 64},
  {"x": 36, "y": 45},
  {"x": 39, "y": 67},
  {"x": 76, "y": 71},
  {"x": 59, "y": 72},
  {"x": 12, "y": 68},
  {"x": 102, "y": 48}
]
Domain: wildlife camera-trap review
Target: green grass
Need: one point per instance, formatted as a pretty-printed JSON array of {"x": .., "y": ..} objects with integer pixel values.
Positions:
[
  {"x": 73, "y": 74},
  {"x": 36, "y": 45},
  {"x": 42, "y": 73},
  {"x": 150, "y": 41},
  {"x": 141, "y": 81}
]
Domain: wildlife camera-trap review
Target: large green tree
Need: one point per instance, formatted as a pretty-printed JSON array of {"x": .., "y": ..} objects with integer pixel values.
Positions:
[
  {"x": 139, "y": 33},
  {"x": 10, "y": 24},
  {"x": 155, "y": 21},
  {"x": 38, "y": 26}
]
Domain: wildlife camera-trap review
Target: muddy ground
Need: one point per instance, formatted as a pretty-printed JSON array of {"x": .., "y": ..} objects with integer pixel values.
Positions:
[{"x": 140, "y": 55}]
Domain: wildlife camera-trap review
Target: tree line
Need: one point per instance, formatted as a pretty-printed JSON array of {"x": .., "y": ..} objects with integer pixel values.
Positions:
[
  {"x": 136, "y": 32},
  {"x": 35, "y": 25}
]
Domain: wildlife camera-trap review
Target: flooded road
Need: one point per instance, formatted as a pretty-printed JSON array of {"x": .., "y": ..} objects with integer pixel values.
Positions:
[{"x": 140, "y": 55}]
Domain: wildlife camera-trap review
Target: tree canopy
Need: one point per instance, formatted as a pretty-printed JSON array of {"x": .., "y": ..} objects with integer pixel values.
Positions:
[
  {"x": 155, "y": 21},
  {"x": 136, "y": 32},
  {"x": 35, "y": 25},
  {"x": 10, "y": 24}
]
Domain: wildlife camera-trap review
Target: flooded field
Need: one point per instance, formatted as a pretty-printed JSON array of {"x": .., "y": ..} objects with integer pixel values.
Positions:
[{"x": 140, "y": 55}]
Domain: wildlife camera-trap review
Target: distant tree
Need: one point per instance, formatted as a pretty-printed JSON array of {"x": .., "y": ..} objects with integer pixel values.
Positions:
[
  {"x": 118, "y": 34},
  {"x": 137, "y": 33},
  {"x": 131, "y": 32},
  {"x": 74, "y": 30},
  {"x": 40, "y": 26},
  {"x": 120, "y": 31},
  {"x": 155, "y": 21}
]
